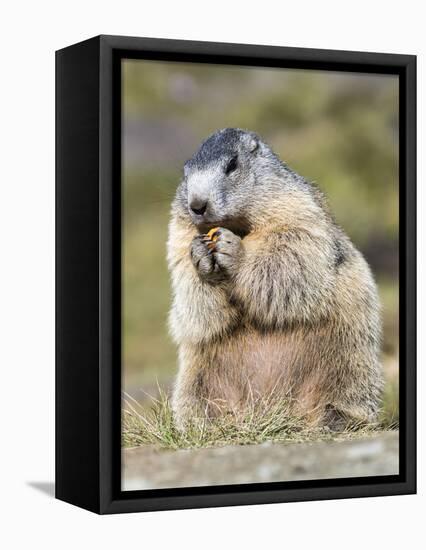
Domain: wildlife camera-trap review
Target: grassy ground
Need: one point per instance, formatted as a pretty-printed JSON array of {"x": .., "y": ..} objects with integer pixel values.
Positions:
[{"x": 266, "y": 420}]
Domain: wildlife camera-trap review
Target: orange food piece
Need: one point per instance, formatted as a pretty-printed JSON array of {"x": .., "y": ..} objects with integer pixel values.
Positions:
[
  {"x": 211, "y": 234},
  {"x": 213, "y": 237}
]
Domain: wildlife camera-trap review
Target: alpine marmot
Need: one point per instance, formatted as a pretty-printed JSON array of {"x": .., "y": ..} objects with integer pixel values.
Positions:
[{"x": 277, "y": 300}]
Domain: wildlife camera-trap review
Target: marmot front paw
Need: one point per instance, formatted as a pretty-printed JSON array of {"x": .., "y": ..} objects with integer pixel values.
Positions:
[
  {"x": 227, "y": 250},
  {"x": 216, "y": 255},
  {"x": 204, "y": 260}
]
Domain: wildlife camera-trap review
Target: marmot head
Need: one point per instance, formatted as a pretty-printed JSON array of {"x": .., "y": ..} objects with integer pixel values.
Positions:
[{"x": 225, "y": 179}]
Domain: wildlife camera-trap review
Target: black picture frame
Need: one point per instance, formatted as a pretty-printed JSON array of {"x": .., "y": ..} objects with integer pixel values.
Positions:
[{"x": 88, "y": 273}]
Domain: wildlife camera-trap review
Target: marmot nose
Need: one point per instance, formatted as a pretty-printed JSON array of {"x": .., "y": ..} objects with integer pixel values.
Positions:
[{"x": 198, "y": 206}]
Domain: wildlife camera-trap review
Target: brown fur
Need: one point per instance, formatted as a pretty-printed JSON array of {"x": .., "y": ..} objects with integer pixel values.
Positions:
[{"x": 294, "y": 313}]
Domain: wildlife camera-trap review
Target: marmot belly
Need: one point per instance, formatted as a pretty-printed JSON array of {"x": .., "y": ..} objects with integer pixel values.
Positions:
[{"x": 249, "y": 365}]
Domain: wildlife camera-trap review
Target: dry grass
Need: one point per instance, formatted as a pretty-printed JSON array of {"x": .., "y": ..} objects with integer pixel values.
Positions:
[{"x": 266, "y": 420}]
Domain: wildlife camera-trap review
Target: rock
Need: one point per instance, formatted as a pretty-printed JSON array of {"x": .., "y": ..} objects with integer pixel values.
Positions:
[{"x": 152, "y": 468}]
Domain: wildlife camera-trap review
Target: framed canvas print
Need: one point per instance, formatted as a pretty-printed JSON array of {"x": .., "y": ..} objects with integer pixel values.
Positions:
[{"x": 235, "y": 274}]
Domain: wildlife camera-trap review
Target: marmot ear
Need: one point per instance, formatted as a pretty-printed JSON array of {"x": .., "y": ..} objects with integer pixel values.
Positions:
[{"x": 252, "y": 144}]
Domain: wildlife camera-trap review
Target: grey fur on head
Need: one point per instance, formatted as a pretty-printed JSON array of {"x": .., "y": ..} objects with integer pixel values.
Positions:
[
  {"x": 224, "y": 176},
  {"x": 280, "y": 301}
]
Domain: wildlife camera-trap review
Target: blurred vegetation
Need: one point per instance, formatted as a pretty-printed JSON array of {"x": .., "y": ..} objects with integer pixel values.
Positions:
[{"x": 337, "y": 129}]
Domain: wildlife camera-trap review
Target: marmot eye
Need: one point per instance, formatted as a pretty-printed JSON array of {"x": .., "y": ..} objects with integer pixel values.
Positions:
[{"x": 232, "y": 165}]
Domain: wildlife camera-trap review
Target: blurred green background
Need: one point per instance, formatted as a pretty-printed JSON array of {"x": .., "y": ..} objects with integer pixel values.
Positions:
[{"x": 337, "y": 129}]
